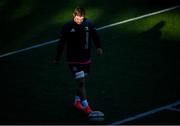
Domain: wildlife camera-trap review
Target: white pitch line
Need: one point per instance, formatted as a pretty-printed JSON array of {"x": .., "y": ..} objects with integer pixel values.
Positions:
[
  {"x": 174, "y": 109},
  {"x": 29, "y": 48},
  {"x": 139, "y": 17},
  {"x": 145, "y": 114},
  {"x": 100, "y": 28}
]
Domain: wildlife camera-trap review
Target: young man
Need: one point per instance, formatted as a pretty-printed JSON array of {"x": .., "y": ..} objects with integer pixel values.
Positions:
[{"x": 77, "y": 35}]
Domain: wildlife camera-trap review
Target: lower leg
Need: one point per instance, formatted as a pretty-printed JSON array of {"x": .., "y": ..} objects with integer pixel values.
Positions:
[
  {"x": 80, "y": 89},
  {"x": 81, "y": 94}
]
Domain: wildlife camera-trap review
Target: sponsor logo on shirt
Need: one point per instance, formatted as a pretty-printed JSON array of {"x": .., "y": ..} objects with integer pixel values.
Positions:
[{"x": 86, "y": 28}]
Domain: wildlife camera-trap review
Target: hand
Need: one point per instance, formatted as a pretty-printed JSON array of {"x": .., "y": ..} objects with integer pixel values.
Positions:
[{"x": 99, "y": 51}]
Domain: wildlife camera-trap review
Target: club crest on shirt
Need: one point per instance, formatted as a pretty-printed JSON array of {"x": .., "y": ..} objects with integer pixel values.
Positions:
[{"x": 73, "y": 30}]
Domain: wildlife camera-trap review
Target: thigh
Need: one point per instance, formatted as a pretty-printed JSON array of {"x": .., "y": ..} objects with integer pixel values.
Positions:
[{"x": 76, "y": 68}]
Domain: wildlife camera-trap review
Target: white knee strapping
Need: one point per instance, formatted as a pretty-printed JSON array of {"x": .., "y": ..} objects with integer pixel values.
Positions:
[{"x": 79, "y": 75}]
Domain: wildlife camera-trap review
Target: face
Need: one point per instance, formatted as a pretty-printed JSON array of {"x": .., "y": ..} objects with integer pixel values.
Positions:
[{"x": 79, "y": 19}]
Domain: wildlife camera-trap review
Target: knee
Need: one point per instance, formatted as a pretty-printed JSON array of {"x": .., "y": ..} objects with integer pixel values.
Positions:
[{"x": 79, "y": 75}]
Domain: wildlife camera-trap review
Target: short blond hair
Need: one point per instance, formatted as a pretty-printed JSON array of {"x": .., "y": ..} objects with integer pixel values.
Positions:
[{"x": 80, "y": 11}]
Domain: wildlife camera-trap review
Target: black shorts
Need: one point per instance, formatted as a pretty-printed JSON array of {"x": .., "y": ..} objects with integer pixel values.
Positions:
[{"x": 76, "y": 68}]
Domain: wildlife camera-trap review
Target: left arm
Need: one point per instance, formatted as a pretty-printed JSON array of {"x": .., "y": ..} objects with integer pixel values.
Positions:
[{"x": 96, "y": 40}]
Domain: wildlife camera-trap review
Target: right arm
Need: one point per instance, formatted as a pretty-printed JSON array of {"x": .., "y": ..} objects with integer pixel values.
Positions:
[{"x": 60, "y": 46}]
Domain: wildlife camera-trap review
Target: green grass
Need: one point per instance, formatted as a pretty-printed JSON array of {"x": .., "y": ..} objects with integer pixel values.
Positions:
[
  {"x": 30, "y": 22},
  {"x": 169, "y": 30}
]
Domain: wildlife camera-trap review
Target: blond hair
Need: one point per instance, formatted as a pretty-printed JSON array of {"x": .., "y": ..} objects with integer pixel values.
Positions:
[{"x": 80, "y": 11}]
